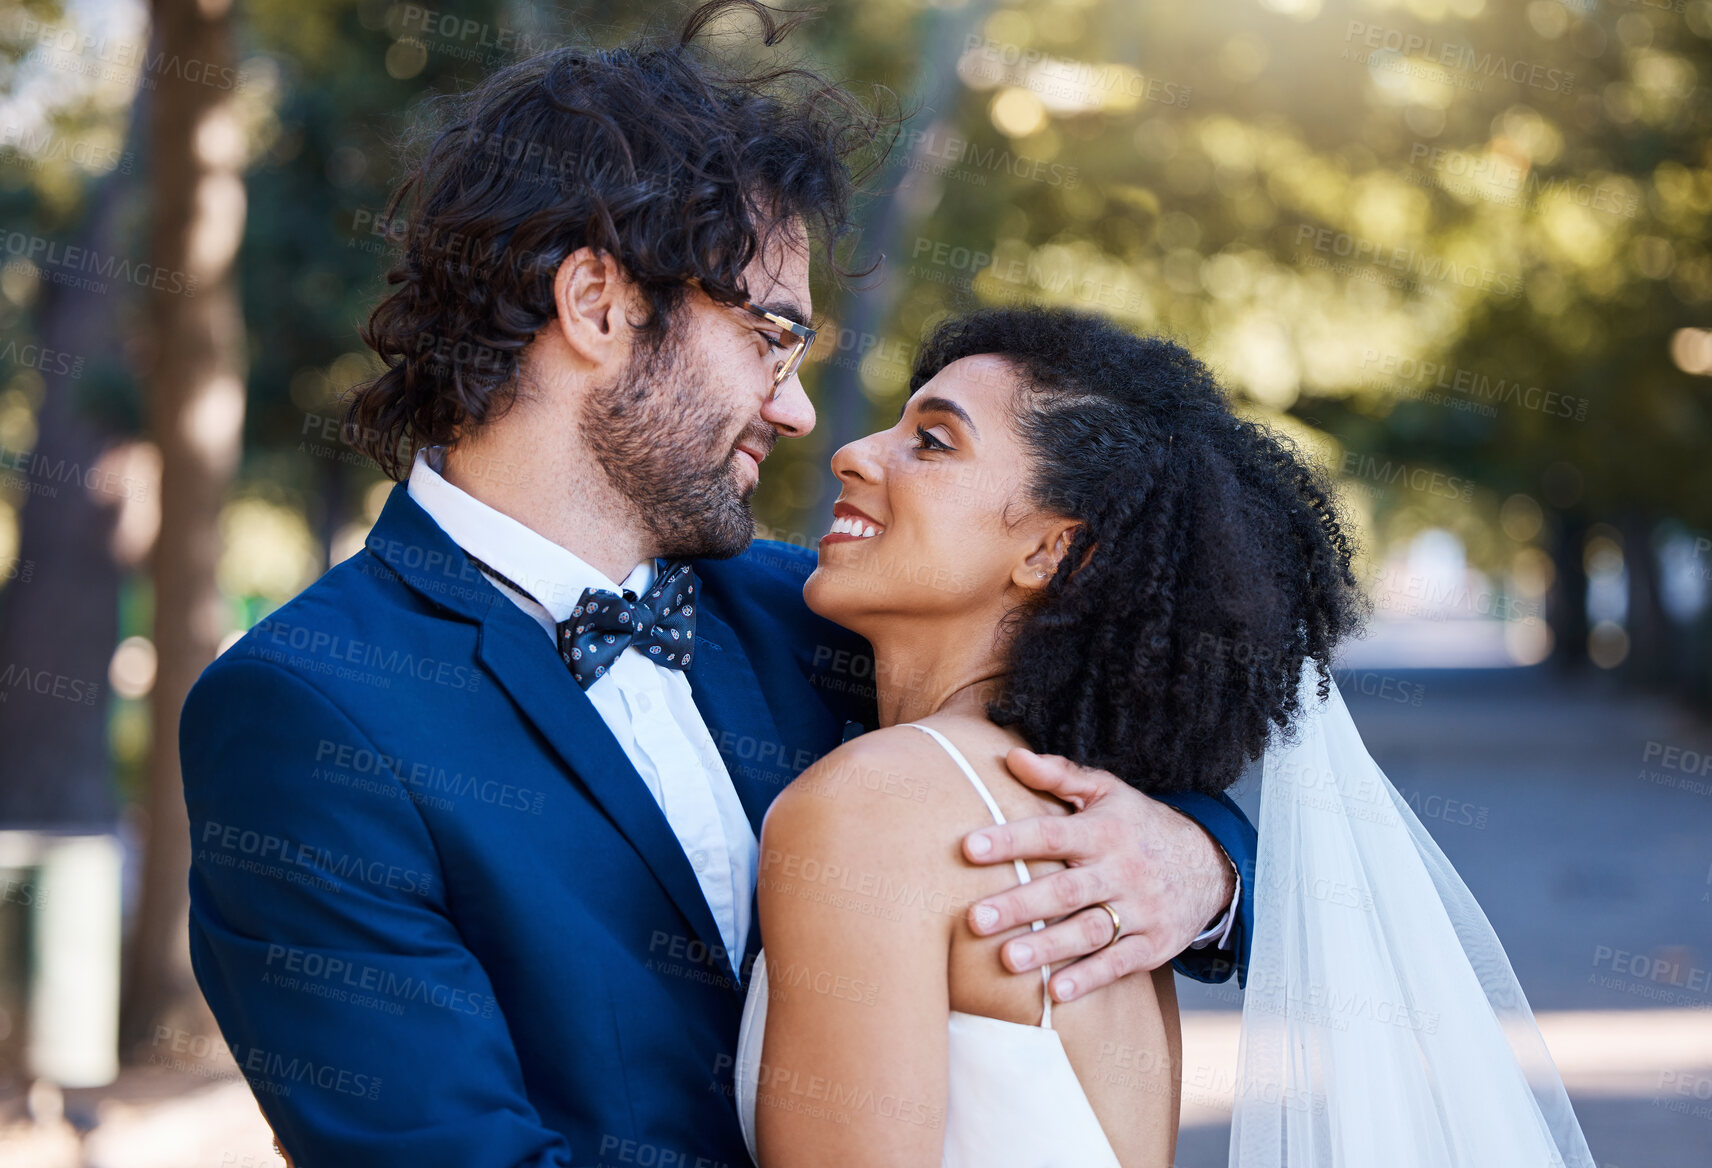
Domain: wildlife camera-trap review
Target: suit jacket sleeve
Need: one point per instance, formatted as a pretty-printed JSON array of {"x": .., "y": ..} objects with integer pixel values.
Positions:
[
  {"x": 319, "y": 934},
  {"x": 1224, "y": 821}
]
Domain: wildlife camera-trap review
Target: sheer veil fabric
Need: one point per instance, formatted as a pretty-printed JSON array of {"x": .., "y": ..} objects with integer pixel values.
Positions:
[{"x": 1382, "y": 1023}]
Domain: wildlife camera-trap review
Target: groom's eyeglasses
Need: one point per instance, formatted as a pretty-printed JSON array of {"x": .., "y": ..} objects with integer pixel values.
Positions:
[{"x": 802, "y": 337}]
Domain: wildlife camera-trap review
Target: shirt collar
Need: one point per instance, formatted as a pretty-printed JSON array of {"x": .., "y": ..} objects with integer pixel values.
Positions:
[{"x": 552, "y": 574}]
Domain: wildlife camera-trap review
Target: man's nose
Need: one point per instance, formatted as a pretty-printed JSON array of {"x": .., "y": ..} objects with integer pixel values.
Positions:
[{"x": 789, "y": 411}]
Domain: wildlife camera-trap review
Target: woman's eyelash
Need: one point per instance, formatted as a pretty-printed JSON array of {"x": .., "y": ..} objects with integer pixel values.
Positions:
[{"x": 926, "y": 441}]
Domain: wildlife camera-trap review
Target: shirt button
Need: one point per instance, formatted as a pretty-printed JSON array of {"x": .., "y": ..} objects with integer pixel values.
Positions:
[
  {"x": 644, "y": 703},
  {"x": 698, "y": 860}
]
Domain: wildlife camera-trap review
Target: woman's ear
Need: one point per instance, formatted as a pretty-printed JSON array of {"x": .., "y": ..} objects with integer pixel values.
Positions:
[{"x": 1041, "y": 564}]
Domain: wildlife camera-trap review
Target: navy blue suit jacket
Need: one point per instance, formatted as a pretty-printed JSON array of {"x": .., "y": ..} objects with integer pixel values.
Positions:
[{"x": 438, "y": 915}]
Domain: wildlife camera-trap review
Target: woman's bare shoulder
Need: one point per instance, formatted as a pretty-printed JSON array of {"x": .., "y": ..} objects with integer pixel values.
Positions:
[
  {"x": 888, "y": 781},
  {"x": 898, "y": 785}
]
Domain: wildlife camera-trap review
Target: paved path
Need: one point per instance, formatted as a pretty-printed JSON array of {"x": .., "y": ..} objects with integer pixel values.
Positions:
[{"x": 1582, "y": 821}]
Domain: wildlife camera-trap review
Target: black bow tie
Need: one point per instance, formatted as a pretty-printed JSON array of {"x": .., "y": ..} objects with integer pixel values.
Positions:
[{"x": 604, "y": 624}]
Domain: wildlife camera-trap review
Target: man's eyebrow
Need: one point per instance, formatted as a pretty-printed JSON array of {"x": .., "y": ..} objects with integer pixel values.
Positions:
[
  {"x": 789, "y": 309},
  {"x": 943, "y": 405}
]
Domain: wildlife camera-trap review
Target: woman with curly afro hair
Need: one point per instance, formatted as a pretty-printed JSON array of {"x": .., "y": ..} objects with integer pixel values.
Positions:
[{"x": 1068, "y": 543}]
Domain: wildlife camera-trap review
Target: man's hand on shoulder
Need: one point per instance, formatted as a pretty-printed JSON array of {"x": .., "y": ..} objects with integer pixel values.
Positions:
[{"x": 1134, "y": 863}]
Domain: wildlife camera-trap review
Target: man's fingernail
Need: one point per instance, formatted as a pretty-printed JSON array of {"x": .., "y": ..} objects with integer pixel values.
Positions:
[
  {"x": 1064, "y": 988},
  {"x": 986, "y": 916},
  {"x": 980, "y": 845},
  {"x": 1022, "y": 956}
]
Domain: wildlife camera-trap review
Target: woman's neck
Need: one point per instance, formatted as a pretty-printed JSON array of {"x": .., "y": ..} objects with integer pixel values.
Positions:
[{"x": 917, "y": 674}]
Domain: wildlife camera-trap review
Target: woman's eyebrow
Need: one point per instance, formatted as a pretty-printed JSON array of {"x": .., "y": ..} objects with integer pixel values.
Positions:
[{"x": 943, "y": 405}]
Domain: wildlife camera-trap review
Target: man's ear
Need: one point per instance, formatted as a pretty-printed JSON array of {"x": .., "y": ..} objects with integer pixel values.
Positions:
[
  {"x": 1041, "y": 564},
  {"x": 591, "y": 295}
]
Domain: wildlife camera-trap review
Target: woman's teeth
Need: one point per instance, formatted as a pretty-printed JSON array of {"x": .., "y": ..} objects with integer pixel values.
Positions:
[{"x": 855, "y": 527}]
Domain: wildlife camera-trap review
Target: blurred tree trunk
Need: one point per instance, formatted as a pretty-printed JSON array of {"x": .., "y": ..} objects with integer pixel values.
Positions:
[
  {"x": 886, "y": 224},
  {"x": 1566, "y": 602},
  {"x": 196, "y": 415},
  {"x": 61, "y": 610},
  {"x": 1648, "y": 627}
]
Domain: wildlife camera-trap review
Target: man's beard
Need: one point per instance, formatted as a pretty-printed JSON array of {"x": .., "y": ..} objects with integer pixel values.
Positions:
[{"x": 663, "y": 446}]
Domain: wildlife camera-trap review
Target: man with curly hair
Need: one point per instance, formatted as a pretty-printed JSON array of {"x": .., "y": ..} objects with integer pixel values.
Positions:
[{"x": 475, "y": 816}]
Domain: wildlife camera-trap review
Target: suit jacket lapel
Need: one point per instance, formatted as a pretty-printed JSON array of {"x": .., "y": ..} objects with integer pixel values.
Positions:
[
  {"x": 731, "y": 702},
  {"x": 522, "y": 659},
  {"x": 519, "y": 655}
]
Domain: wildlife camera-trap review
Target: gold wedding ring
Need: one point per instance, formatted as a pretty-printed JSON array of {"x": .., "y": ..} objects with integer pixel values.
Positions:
[{"x": 1117, "y": 925}]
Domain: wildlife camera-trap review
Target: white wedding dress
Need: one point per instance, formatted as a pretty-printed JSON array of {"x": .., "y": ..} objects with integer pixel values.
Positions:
[
  {"x": 1013, "y": 1099},
  {"x": 1382, "y": 1023}
]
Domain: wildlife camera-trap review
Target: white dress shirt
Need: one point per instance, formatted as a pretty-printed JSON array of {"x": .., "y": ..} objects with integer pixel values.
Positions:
[{"x": 648, "y": 707}]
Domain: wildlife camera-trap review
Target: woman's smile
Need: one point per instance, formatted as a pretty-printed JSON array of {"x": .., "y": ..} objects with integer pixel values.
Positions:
[{"x": 850, "y": 524}]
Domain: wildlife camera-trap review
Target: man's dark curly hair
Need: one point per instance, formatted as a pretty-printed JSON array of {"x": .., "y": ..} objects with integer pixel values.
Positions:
[
  {"x": 1209, "y": 564},
  {"x": 677, "y": 166}
]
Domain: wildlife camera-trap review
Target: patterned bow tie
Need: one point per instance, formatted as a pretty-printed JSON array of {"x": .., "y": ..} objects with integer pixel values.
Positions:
[{"x": 605, "y": 624}]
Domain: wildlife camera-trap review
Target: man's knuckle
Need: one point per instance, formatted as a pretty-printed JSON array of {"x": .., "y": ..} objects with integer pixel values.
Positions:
[
  {"x": 1113, "y": 836},
  {"x": 1067, "y": 891},
  {"x": 1132, "y": 872}
]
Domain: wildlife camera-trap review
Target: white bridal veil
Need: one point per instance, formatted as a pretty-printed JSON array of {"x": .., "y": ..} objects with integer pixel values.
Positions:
[{"x": 1383, "y": 1026}]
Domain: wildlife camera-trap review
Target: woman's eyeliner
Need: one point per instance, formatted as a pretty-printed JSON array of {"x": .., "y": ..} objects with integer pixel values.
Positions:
[{"x": 926, "y": 441}]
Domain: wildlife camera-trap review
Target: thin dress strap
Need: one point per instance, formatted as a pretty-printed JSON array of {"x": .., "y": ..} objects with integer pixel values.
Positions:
[{"x": 1021, "y": 868}]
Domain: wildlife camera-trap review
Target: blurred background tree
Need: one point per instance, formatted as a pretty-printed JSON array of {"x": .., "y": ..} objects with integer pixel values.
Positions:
[{"x": 1457, "y": 248}]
